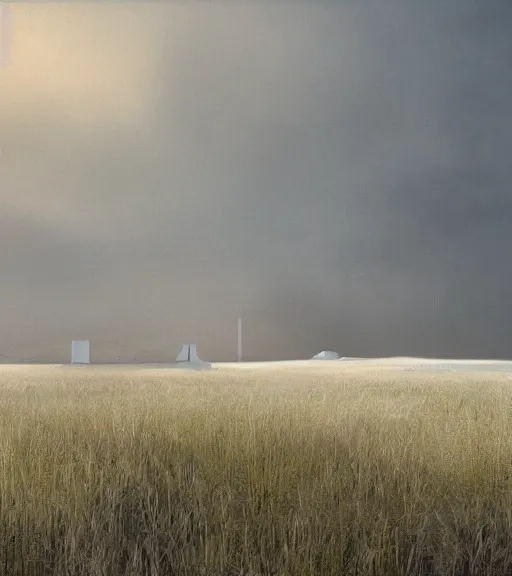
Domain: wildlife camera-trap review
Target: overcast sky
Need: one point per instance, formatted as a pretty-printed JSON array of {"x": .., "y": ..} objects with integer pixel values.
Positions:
[{"x": 340, "y": 173}]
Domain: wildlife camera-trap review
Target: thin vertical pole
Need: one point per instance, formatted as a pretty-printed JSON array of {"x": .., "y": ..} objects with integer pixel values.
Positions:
[{"x": 239, "y": 349}]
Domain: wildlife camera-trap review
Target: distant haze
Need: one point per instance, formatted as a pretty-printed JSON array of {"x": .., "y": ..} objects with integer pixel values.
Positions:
[{"x": 340, "y": 173}]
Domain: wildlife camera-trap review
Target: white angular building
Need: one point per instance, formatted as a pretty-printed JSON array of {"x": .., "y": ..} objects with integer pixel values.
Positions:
[
  {"x": 188, "y": 358},
  {"x": 80, "y": 352}
]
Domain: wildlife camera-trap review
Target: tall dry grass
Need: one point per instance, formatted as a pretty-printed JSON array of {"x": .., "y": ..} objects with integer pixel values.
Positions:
[{"x": 284, "y": 472}]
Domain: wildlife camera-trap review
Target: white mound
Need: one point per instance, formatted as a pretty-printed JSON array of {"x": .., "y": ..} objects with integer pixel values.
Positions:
[
  {"x": 188, "y": 358},
  {"x": 326, "y": 355}
]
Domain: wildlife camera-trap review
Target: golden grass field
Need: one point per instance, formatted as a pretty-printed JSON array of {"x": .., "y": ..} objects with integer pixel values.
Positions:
[{"x": 335, "y": 469}]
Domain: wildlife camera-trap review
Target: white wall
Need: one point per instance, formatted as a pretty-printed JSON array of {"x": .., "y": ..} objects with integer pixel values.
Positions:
[{"x": 80, "y": 352}]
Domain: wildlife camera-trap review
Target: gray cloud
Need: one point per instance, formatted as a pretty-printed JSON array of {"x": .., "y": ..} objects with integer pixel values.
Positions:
[{"x": 339, "y": 173}]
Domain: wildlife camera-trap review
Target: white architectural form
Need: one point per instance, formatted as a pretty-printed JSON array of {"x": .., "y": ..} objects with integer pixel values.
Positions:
[
  {"x": 80, "y": 352},
  {"x": 188, "y": 358},
  {"x": 239, "y": 348},
  {"x": 326, "y": 355}
]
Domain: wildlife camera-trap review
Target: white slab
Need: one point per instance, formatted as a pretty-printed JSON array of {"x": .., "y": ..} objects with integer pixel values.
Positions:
[{"x": 80, "y": 352}]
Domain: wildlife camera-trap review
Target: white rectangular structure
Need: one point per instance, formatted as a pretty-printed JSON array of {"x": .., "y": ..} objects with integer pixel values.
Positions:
[{"x": 80, "y": 352}]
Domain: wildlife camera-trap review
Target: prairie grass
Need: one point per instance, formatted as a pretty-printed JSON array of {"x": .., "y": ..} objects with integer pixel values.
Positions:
[{"x": 254, "y": 472}]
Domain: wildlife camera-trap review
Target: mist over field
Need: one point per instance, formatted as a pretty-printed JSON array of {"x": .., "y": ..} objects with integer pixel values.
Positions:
[{"x": 339, "y": 173}]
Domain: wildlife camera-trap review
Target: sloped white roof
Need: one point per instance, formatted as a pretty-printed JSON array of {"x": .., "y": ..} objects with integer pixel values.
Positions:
[
  {"x": 188, "y": 358},
  {"x": 326, "y": 355}
]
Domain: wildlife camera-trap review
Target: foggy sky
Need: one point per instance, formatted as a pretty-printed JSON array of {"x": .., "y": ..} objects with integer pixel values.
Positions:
[{"x": 340, "y": 174}]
